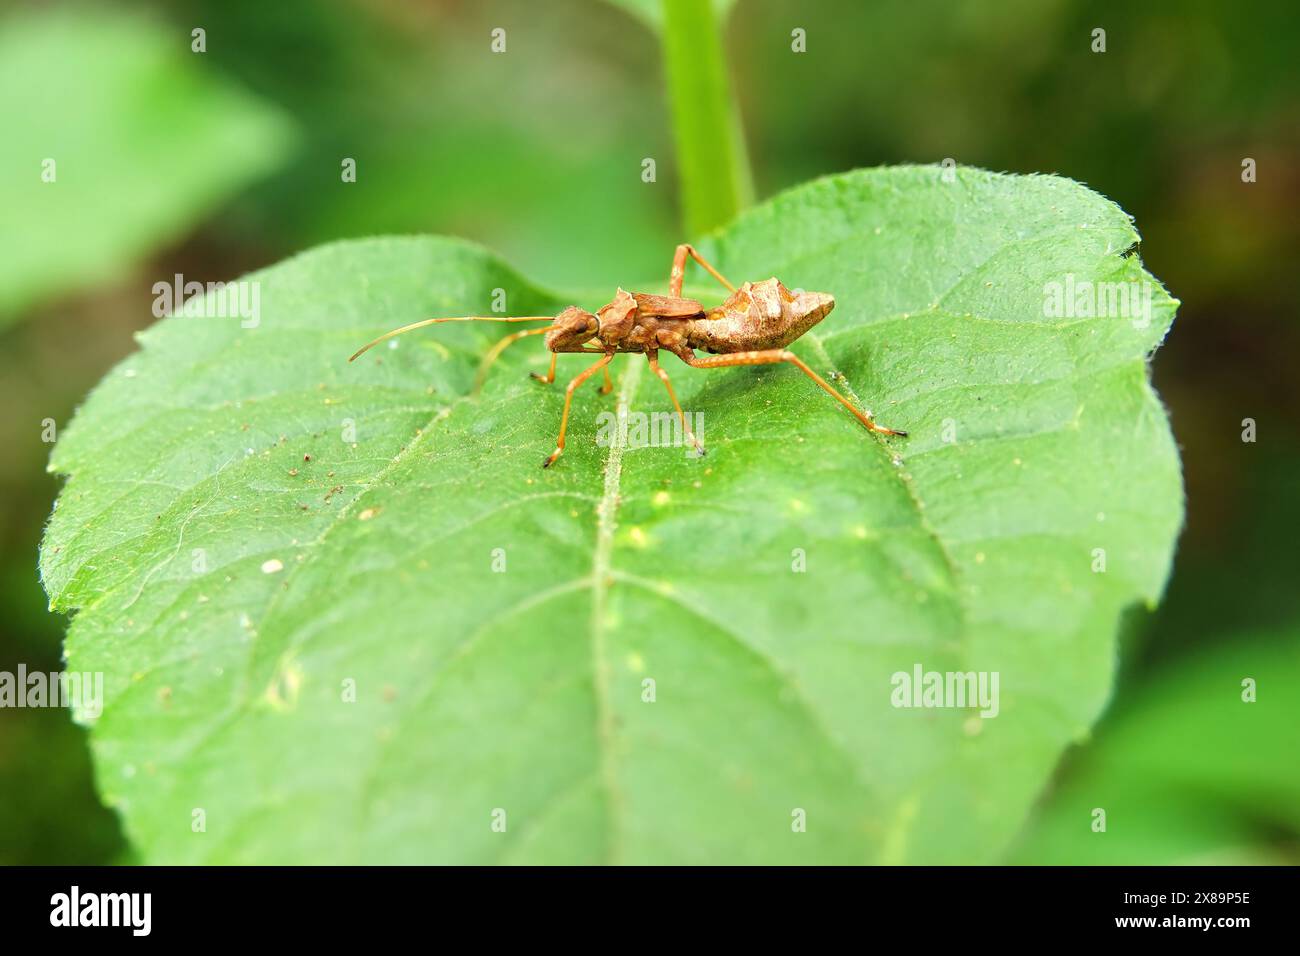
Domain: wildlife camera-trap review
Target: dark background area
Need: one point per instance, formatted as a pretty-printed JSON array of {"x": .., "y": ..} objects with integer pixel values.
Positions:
[{"x": 537, "y": 153}]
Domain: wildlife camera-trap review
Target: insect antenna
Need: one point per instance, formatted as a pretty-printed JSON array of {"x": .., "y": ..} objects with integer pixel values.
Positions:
[{"x": 461, "y": 318}]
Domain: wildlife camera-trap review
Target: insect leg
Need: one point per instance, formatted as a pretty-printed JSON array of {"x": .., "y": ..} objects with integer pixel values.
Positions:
[
  {"x": 495, "y": 352},
  {"x": 663, "y": 377},
  {"x": 771, "y": 356},
  {"x": 568, "y": 400},
  {"x": 679, "y": 270},
  {"x": 549, "y": 377},
  {"x": 609, "y": 383}
]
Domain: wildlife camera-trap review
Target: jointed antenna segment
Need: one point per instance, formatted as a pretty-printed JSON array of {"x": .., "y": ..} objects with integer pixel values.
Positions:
[{"x": 460, "y": 318}]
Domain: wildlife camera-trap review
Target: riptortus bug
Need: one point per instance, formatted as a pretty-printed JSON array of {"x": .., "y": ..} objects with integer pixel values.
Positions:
[{"x": 752, "y": 327}]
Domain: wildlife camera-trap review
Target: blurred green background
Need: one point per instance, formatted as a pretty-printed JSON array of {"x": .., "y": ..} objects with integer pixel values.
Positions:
[{"x": 211, "y": 164}]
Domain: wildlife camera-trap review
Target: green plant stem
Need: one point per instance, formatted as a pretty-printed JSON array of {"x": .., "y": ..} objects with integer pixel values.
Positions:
[{"x": 711, "y": 159}]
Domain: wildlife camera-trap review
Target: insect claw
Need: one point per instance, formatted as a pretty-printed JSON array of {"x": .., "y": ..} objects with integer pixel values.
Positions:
[{"x": 550, "y": 459}]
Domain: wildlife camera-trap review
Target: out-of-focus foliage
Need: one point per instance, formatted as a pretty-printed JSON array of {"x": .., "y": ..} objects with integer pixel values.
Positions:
[
  {"x": 115, "y": 142},
  {"x": 713, "y": 171},
  {"x": 1190, "y": 771},
  {"x": 652, "y": 11},
  {"x": 536, "y": 152},
  {"x": 48, "y": 812}
]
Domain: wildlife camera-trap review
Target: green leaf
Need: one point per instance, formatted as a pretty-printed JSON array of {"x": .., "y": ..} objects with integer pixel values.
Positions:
[
  {"x": 142, "y": 140},
  {"x": 1191, "y": 772},
  {"x": 968, "y": 546}
]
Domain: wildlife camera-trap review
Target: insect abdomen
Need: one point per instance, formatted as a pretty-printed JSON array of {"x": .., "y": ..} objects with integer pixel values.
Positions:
[{"x": 759, "y": 316}]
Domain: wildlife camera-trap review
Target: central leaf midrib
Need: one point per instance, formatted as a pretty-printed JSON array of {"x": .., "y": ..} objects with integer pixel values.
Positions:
[{"x": 601, "y": 572}]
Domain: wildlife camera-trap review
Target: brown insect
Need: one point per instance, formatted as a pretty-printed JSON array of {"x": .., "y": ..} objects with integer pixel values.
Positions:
[{"x": 752, "y": 327}]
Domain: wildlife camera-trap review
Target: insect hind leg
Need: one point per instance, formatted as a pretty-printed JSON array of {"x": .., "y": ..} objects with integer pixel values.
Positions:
[{"x": 771, "y": 357}]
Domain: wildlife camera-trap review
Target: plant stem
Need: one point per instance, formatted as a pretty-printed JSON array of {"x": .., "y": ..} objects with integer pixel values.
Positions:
[{"x": 711, "y": 160}]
